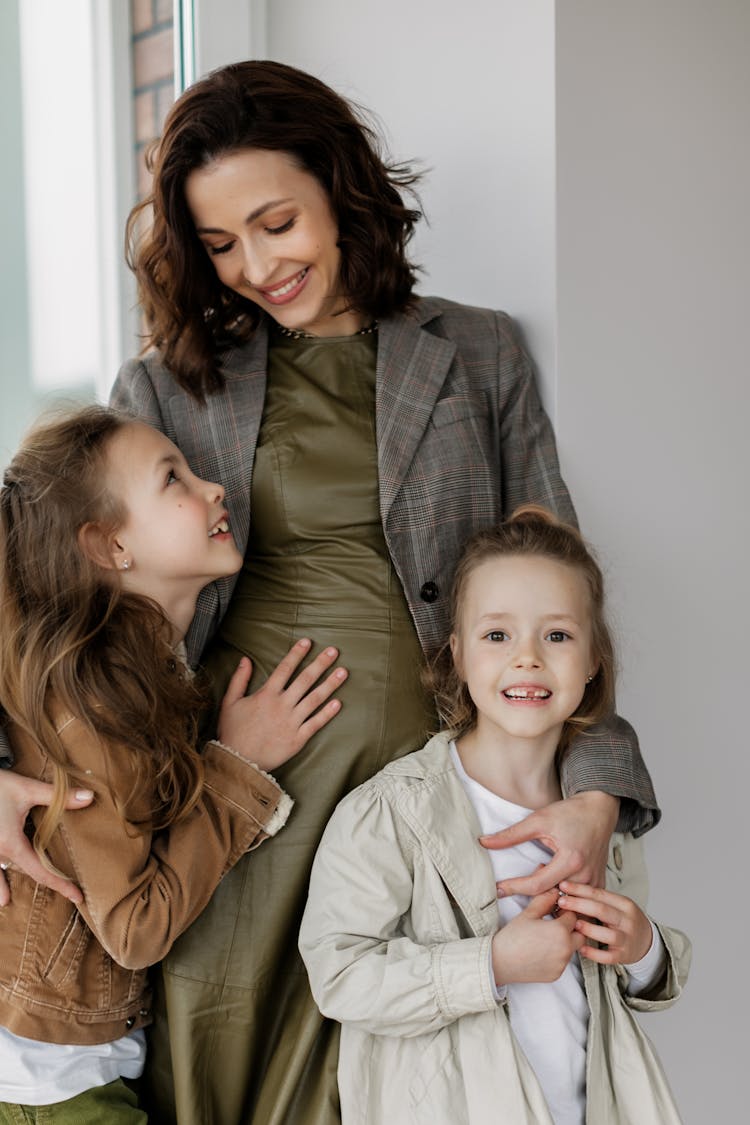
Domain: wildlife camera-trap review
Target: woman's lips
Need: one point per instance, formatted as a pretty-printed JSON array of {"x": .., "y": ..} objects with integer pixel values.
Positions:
[{"x": 286, "y": 290}]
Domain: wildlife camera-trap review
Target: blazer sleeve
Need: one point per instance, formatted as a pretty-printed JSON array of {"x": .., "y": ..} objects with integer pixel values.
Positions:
[
  {"x": 142, "y": 889},
  {"x": 607, "y": 757},
  {"x": 364, "y": 967}
]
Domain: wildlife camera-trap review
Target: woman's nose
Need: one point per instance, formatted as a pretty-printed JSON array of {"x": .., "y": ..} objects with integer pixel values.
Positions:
[{"x": 257, "y": 266}]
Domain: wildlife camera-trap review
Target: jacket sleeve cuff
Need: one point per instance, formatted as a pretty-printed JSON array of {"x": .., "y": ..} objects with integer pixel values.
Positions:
[
  {"x": 248, "y": 788},
  {"x": 462, "y": 982}
]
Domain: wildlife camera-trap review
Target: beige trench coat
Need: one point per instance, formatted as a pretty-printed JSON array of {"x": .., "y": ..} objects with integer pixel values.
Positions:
[{"x": 396, "y": 938}]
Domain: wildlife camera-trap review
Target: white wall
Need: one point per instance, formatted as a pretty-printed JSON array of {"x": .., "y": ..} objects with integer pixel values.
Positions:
[{"x": 590, "y": 173}]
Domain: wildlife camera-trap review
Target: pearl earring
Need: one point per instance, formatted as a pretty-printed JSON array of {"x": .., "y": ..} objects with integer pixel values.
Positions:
[
  {"x": 126, "y": 564},
  {"x": 589, "y": 679}
]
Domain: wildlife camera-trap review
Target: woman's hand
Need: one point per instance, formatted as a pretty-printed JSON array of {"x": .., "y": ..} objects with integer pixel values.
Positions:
[
  {"x": 577, "y": 830},
  {"x": 18, "y": 796},
  {"x": 532, "y": 947},
  {"x": 274, "y": 723},
  {"x": 609, "y": 918}
]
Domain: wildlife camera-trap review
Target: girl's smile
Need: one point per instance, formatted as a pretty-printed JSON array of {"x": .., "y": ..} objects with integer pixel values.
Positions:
[{"x": 268, "y": 228}]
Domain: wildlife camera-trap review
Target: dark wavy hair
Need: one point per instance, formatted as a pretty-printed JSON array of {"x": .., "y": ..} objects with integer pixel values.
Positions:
[
  {"x": 530, "y": 530},
  {"x": 72, "y": 642},
  {"x": 191, "y": 315}
]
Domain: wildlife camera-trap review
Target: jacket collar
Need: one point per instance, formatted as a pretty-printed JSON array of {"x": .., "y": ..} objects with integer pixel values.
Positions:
[{"x": 441, "y": 816}]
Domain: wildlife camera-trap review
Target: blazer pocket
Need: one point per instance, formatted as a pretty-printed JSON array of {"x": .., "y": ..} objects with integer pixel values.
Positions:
[{"x": 454, "y": 408}]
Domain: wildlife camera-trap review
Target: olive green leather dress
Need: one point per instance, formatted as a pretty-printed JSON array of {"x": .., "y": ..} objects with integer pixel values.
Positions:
[{"x": 248, "y": 1043}]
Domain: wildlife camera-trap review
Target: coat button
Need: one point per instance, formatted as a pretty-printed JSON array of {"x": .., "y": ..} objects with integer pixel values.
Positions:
[
  {"x": 429, "y": 592},
  {"x": 130, "y": 1021},
  {"x": 617, "y": 856}
]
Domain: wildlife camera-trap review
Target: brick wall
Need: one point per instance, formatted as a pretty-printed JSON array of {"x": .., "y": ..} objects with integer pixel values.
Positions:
[{"x": 153, "y": 75}]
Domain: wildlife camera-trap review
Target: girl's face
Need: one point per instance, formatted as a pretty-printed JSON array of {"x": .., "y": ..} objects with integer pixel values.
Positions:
[
  {"x": 524, "y": 645},
  {"x": 175, "y": 538},
  {"x": 269, "y": 231}
]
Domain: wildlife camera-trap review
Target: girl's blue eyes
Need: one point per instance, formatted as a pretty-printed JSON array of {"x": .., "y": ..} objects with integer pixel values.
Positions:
[{"x": 227, "y": 246}]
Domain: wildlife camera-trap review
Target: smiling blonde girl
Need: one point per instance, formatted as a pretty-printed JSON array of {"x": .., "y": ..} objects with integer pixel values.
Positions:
[{"x": 457, "y": 1007}]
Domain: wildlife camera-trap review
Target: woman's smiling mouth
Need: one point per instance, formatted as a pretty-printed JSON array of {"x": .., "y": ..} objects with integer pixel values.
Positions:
[{"x": 287, "y": 290}]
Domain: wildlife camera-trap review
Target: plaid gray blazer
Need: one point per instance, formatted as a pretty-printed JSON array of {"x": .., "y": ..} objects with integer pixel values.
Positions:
[{"x": 462, "y": 440}]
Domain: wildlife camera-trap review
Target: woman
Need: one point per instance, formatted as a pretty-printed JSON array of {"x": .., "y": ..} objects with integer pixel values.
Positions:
[{"x": 369, "y": 432}]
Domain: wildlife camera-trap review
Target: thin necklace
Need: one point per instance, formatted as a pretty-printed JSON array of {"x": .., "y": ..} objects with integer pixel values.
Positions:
[{"x": 294, "y": 334}]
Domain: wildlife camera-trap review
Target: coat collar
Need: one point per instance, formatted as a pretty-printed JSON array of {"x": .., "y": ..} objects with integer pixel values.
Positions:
[{"x": 440, "y": 815}]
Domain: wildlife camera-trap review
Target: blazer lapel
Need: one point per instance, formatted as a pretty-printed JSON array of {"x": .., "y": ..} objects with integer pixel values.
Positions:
[
  {"x": 412, "y": 366},
  {"x": 233, "y": 418}
]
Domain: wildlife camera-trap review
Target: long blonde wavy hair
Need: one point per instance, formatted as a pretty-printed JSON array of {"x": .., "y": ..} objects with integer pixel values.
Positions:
[{"x": 72, "y": 642}]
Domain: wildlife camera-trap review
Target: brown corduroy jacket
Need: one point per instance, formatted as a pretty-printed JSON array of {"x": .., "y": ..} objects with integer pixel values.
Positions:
[{"x": 79, "y": 974}]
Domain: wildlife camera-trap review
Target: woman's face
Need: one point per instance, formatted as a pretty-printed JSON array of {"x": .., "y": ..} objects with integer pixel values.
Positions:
[{"x": 269, "y": 231}]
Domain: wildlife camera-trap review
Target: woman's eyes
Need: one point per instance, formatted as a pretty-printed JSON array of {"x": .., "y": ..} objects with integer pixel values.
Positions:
[
  {"x": 282, "y": 229},
  {"x": 225, "y": 247}
]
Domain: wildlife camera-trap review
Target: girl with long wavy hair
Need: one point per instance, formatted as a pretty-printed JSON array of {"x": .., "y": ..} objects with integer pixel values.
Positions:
[{"x": 106, "y": 539}]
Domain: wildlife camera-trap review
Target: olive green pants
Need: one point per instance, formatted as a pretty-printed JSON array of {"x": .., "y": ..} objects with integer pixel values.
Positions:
[{"x": 113, "y": 1104}]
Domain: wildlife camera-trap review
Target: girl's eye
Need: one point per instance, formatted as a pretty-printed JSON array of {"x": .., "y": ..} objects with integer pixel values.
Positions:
[
  {"x": 497, "y": 635},
  {"x": 223, "y": 249},
  {"x": 172, "y": 477},
  {"x": 558, "y": 635},
  {"x": 282, "y": 229}
]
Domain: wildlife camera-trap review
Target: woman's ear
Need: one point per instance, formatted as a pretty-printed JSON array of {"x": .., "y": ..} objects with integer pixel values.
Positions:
[{"x": 101, "y": 547}]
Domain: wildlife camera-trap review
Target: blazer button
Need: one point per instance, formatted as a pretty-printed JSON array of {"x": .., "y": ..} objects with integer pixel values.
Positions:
[
  {"x": 617, "y": 856},
  {"x": 129, "y": 1022},
  {"x": 429, "y": 592}
]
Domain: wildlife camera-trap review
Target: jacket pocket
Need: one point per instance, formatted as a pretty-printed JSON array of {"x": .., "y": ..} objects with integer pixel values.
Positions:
[{"x": 63, "y": 966}]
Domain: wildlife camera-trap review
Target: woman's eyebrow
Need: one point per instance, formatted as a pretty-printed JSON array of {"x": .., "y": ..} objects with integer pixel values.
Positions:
[{"x": 256, "y": 214}]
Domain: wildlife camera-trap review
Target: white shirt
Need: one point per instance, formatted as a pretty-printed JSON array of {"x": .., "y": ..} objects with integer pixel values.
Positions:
[
  {"x": 34, "y": 1073},
  {"x": 549, "y": 1020}
]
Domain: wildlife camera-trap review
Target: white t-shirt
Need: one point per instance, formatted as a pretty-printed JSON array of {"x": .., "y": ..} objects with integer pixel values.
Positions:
[
  {"x": 550, "y": 1021},
  {"x": 34, "y": 1073}
]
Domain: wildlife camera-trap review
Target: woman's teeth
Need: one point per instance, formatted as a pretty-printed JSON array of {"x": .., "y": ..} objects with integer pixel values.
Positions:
[{"x": 284, "y": 289}]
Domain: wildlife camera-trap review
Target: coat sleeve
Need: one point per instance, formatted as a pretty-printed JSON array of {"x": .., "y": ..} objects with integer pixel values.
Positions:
[
  {"x": 142, "y": 889},
  {"x": 366, "y": 966},
  {"x": 607, "y": 757},
  {"x": 627, "y": 875}
]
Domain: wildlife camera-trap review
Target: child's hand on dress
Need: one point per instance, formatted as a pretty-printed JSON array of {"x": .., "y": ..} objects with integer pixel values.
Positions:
[
  {"x": 609, "y": 918},
  {"x": 274, "y": 723},
  {"x": 532, "y": 947}
]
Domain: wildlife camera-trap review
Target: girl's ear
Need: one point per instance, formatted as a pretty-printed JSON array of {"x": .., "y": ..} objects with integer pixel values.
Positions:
[
  {"x": 100, "y": 546},
  {"x": 456, "y": 654}
]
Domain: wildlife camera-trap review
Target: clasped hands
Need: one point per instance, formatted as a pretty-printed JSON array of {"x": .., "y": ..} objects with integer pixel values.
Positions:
[{"x": 569, "y": 911}]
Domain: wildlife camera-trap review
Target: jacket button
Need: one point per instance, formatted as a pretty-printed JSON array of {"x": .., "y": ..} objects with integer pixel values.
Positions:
[
  {"x": 130, "y": 1021},
  {"x": 429, "y": 592},
  {"x": 617, "y": 856}
]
